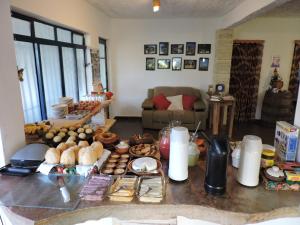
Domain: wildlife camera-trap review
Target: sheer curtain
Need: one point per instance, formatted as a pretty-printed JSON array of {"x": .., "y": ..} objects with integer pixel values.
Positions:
[
  {"x": 70, "y": 77},
  {"x": 29, "y": 88},
  {"x": 51, "y": 75},
  {"x": 81, "y": 73}
]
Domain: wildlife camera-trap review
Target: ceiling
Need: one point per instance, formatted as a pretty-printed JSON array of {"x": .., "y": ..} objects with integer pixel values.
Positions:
[
  {"x": 169, "y": 8},
  {"x": 289, "y": 9}
]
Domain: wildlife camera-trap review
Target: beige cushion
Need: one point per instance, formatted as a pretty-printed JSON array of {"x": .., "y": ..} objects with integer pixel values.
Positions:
[{"x": 176, "y": 102}]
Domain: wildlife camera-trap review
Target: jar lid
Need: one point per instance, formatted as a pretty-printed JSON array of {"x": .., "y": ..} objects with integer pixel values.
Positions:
[{"x": 268, "y": 152}]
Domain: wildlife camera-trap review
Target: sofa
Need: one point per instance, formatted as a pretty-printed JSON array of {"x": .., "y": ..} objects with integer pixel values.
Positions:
[{"x": 157, "y": 119}]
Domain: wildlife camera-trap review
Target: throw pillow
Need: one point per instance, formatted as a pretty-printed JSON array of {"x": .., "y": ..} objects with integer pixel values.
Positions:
[
  {"x": 176, "y": 102},
  {"x": 160, "y": 102},
  {"x": 188, "y": 101}
]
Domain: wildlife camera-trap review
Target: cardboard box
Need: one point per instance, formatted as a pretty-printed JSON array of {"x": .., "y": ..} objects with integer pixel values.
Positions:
[{"x": 286, "y": 141}]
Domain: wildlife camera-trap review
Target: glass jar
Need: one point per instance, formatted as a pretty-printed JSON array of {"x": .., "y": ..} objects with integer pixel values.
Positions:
[{"x": 164, "y": 142}]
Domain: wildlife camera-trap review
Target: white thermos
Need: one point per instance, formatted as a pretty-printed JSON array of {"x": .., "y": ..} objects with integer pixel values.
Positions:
[
  {"x": 249, "y": 166},
  {"x": 178, "y": 161}
]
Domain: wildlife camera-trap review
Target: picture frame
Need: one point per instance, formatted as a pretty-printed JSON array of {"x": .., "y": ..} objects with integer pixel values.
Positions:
[
  {"x": 150, "y": 49},
  {"x": 190, "y": 64},
  {"x": 150, "y": 64},
  {"x": 190, "y": 48},
  {"x": 177, "y": 48},
  {"x": 176, "y": 63},
  {"x": 203, "y": 64},
  {"x": 163, "y": 64},
  {"x": 204, "y": 48},
  {"x": 163, "y": 48}
]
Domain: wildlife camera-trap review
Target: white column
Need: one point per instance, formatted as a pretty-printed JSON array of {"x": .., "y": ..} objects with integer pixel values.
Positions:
[{"x": 11, "y": 115}]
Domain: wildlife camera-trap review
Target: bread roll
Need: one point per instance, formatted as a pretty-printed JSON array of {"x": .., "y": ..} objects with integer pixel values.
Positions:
[
  {"x": 68, "y": 157},
  {"x": 98, "y": 147},
  {"x": 87, "y": 156},
  {"x": 76, "y": 149},
  {"x": 52, "y": 156},
  {"x": 70, "y": 143},
  {"x": 82, "y": 144},
  {"x": 62, "y": 146}
]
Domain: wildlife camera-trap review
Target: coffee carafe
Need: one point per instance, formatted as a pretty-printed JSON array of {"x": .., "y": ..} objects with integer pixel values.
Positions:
[{"x": 216, "y": 166}]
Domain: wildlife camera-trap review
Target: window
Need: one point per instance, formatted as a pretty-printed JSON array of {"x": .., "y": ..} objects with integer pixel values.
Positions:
[
  {"x": 53, "y": 61},
  {"x": 103, "y": 63}
]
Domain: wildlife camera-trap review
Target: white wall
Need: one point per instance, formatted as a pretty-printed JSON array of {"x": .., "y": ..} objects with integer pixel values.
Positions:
[
  {"x": 11, "y": 115},
  {"x": 129, "y": 78},
  {"x": 279, "y": 35},
  {"x": 75, "y": 14}
]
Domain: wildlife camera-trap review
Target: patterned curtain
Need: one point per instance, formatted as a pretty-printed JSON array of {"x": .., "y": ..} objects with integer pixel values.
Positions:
[
  {"x": 294, "y": 77},
  {"x": 244, "y": 77}
]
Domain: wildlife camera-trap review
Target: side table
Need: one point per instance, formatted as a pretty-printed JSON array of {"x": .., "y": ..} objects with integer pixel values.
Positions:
[{"x": 217, "y": 110}]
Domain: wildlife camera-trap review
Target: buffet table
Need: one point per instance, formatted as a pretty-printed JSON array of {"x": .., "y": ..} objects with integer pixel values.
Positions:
[{"x": 238, "y": 206}]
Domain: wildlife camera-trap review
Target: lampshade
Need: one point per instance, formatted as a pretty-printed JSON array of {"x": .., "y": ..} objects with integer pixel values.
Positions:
[{"x": 156, "y": 5}]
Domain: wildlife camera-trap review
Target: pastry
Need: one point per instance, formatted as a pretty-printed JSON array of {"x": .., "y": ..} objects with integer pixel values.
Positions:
[
  {"x": 119, "y": 171},
  {"x": 106, "y": 138},
  {"x": 62, "y": 146},
  {"x": 88, "y": 131},
  {"x": 80, "y": 130},
  {"x": 98, "y": 147},
  {"x": 123, "y": 189},
  {"x": 49, "y": 135},
  {"x": 144, "y": 164},
  {"x": 125, "y": 156},
  {"x": 70, "y": 143},
  {"x": 82, "y": 135},
  {"x": 64, "y": 130},
  {"x": 123, "y": 160},
  {"x": 122, "y": 147},
  {"x": 121, "y": 165},
  {"x": 115, "y": 156},
  {"x": 110, "y": 165},
  {"x": 62, "y": 134},
  {"x": 86, "y": 126},
  {"x": 151, "y": 190},
  {"x": 67, "y": 157},
  {"x": 71, "y": 138},
  {"x": 72, "y": 128},
  {"x": 87, "y": 156},
  {"x": 141, "y": 139},
  {"x": 82, "y": 144},
  {"x": 108, "y": 171},
  {"x": 52, "y": 156},
  {"x": 57, "y": 139},
  {"x": 112, "y": 160},
  {"x": 143, "y": 150}
]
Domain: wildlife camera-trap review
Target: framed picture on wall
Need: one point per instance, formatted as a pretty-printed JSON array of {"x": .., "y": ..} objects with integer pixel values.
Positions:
[
  {"x": 163, "y": 63},
  {"x": 150, "y": 63},
  {"x": 190, "y": 48},
  {"x": 177, "y": 48},
  {"x": 190, "y": 64},
  {"x": 176, "y": 63},
  {"x": 163, "y": 48},
  {"x": 150, "y": 49},
  {"x": 204, "y": 48},
  {"x": 203, "y": 64}
]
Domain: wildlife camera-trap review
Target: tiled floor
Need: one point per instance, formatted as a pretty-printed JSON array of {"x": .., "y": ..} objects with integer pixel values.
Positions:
[{"x": 126, "y": 127}]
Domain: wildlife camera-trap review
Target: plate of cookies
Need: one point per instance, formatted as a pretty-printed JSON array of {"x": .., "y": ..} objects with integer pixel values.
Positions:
[
  {"x": 143, "y": 150},
  {"x": 116, "y": 164}
]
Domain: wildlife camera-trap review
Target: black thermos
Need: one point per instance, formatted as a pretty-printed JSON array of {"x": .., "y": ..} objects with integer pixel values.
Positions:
[{"x": 216, "y": 166}]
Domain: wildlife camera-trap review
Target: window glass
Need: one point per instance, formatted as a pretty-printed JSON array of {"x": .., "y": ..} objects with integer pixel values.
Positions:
[
  {"x": 63, "y": 35},
  {"x": 51, "y": 76},
  {"x": 21, "y": 26},
  {"x": 29, "y": 87},
  {"x": 81, "y": 73},
  {"x": 102, "y": 51},
  {"x": 44, "y": 31},
  {"x": 103, "y": 73},
  {"x": 78, "y": 39},
  {"x": 70, "y": 77},
  {"x": 89, "y": 73}
]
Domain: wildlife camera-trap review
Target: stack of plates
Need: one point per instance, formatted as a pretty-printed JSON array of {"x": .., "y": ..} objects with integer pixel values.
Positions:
[
  {"x": 66, "y": 100},
  {"x": 59, "y": 111}
]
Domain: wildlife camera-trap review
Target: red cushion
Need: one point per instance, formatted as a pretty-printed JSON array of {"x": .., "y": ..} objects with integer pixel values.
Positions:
[
  {"x": 188, "y": 101},
  {"x": 161, "y": 102}
]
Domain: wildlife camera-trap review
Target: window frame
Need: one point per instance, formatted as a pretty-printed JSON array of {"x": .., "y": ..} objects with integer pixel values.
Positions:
[{"x": 36, "y": 41}]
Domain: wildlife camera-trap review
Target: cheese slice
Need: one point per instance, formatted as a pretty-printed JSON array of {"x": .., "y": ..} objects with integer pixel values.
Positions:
[{"x": 144, "y": 164}]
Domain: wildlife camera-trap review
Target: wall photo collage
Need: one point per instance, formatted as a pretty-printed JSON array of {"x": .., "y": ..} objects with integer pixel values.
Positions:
[{"x": 176, "y": 62}]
